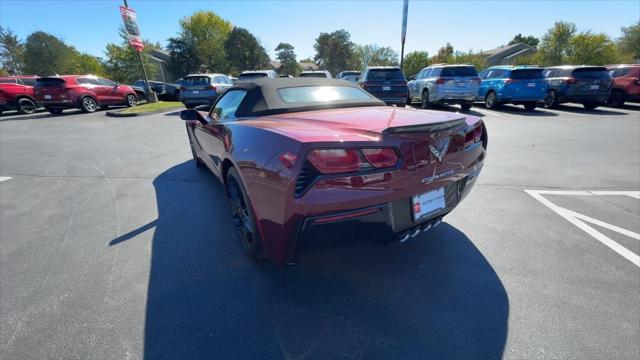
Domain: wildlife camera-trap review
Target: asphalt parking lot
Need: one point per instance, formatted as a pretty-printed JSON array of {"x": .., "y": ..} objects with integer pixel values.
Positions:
[{"x": 114, "y": 245}]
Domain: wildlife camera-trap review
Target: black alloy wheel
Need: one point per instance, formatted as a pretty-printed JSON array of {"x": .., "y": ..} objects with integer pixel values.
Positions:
[
  {"x": 243, "y": 216},
  {"x": 26, "y": 106}
]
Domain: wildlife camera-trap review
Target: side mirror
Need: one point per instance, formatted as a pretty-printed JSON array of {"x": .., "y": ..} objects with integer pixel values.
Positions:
[{"x": 192, "y": 115}]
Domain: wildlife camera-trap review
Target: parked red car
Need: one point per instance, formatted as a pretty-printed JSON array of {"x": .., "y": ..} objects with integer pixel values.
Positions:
[
  {"x": 301, "y": 156},
  {"x": 16, "y": 93},
  {"x": 626, "y": 84},
  {"x": 84, "y": 92}
]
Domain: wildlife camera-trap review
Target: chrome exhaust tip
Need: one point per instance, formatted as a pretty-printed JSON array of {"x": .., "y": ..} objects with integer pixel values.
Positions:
[
  {"x": 426, "y": 227},
  {"x": 404, "y": 237},
  {"x": 437, "y": 222}
]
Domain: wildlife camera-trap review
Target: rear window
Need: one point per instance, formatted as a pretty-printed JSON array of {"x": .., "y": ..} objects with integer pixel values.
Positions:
[
  {"x": 591, "y": 73},
  {"x": 322, "y": 94},
  {"x": 314, "y": 75},
  {"x": 50, "y": 82},
  {"x": 616, "y": 73},
  {"x": 252, "y": 76},
  {"x": 527, "y": 74},
  {"x": 458, "y": 71},
  {"x": 195, "y": 81},
  {"x": 385, "y": 74}
]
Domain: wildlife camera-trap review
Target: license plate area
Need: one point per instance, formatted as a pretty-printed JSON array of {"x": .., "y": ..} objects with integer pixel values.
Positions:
[
  {"x": 47, "y": 97},
  {"x": 461, "y": 84},
  {"x": 195, "y": 92},
  {"x": 429, "y": 203},
  {"x": 531, "y": 84},
  {"x": 386, "y": 88},
  {"x": 594, "y": 87}
]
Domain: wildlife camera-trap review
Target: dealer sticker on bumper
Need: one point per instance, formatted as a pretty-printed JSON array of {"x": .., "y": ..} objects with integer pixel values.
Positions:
[{"x": 428, "y": 203}]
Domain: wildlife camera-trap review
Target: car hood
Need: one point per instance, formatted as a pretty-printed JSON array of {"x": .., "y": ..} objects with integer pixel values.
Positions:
[{"x": 351, "y": 124}]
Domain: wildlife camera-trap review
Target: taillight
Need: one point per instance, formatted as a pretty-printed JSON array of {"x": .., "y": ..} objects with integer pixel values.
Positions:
[
  {"x": 507, "y": 81},
  {"x": 336, "y": 161},
  {"x": 210, "y": 87},
  {"x": 381, "y": 158},
  {"x": 637, "y": 82},
  {"x": 475, "y": 135},
  {"x": 476, "y": 80},
  {"x": 441, "y": 81},
  {"x": 570, "y": 81}
]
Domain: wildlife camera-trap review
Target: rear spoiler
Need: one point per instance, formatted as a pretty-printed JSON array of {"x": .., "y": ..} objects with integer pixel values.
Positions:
[{"x": 422, "y": 128}]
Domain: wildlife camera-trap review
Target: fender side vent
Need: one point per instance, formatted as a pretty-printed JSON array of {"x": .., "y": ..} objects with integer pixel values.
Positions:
[{"x": 307, "y": 176}]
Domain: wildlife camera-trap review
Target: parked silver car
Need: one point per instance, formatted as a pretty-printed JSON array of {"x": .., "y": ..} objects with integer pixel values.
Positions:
[
  {"x": 203, "y": 89},
  {"x": 256, "y": 74},
  {"x": 445, "y": 84},
  {"x": 325, "y": 74}
]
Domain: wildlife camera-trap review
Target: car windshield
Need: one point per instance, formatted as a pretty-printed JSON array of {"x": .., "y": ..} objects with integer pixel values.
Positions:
[
  {"x": 458, "y": 71},
  {"x": 195, "y": 81},
  {"x": 527, "y": 74},
  {"x": 385, "y": 74},
  {"x": 50, "y": 82},
  {"x": 316, "y": 75},
  {"x": 591, "y": 73},
  {"x": 247, "y": 76},
  {"x": 322, "y": 94}
]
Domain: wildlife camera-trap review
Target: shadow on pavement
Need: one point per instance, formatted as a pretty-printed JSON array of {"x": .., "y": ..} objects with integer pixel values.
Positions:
[
  {"x": 519, "y": 110},
  {"x": 437, "y": 297},
  {"x": 597, "y": 111}
]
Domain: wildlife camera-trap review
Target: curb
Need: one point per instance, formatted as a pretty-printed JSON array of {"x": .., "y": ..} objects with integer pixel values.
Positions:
[{"x": 118, "y": 114}]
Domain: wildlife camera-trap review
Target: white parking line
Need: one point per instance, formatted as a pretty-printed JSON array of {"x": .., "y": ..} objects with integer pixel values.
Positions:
[
  {"x": 487, "y": 112},
  {"x": 581, "y": 220},
  {"x": 4, "y": 178},
  {"x": 560, "y": 112}
]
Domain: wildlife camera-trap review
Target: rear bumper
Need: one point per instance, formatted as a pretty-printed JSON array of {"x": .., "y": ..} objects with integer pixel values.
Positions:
[
  {"x": 59, "y": 104},
  {"x": 453, "y": 98},
  {"x": 595, "y": 98},
  {"x": 382, "y": 223}
]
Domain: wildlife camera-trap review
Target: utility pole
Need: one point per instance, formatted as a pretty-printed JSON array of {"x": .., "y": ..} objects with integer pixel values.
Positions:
[
  {"x": 151, "y": 96},
  {"x": 405, "y": 10}
]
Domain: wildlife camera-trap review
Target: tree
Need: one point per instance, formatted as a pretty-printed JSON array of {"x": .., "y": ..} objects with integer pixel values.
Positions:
[
  {"x": 334, "y": 51},
  {"x": 555, "y": 43},
  {"x": 374, "y": 55},
  {"x": 87, "y": 64},
  {"x": 184, "y": 57},
  {"x": 244, "y": 52},
  {"x": 415, "y": 61},
  {"x": 208, "y": 33},
  {"x": 529, "y": 40},
  {"x": 11, "y": 52},
  {"x": 287, "y": 58},
  {"x": 592, "y": 49},
  {"x": 444, "y": 53},
  {"x": 475, "y": 58},
  {"x": 122, "y": 62},
  {"x": 45, "y": 54},
  {"x": 630, "y": 41}
]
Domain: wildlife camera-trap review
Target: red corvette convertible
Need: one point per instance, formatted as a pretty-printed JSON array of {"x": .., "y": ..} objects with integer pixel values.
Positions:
[{"x": 301, "y": 156}]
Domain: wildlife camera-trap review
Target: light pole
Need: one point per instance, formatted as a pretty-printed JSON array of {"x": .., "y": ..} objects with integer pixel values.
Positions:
[
  {"x": 151, "y": 96},
  {"x": 405, "y": 10}
]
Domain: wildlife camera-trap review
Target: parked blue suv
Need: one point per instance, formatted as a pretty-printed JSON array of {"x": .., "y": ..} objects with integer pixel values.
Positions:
[{"x": 517, "y": 85}]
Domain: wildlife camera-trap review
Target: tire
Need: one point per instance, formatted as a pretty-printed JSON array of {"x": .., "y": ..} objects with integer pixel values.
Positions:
[
  {"x": 131, "y": 100},
  {"x": 88, "y": 104},
  {"x": 590, "y": 106},
  {"x": 530, "y": 106},
  {"x": 551, "y": 100},
  {"x": 424, "y": 102},
  {"x": 616, "y": 99},
  {"x": 242, "y": 214},
  {"x": 55, "y": 111},
  {"x": 466, "y": 106},
  {"x": 490, "y": 100},
  {"x": 26, "y": 106}
]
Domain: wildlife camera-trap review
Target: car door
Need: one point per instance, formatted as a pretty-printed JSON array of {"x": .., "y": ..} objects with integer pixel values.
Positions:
[
  {"x": 114, "y": 95},
  {"x": 484, "y": 84},
  {"x": 213, "y": 137}
]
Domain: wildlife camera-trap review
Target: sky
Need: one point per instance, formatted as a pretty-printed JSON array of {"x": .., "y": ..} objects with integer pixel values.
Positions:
[{"x": 480, "y": 25}]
